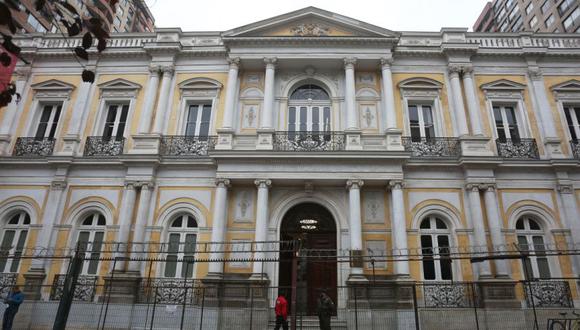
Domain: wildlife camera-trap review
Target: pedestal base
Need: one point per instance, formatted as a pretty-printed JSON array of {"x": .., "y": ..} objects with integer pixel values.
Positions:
[
  {"x": 145, "y": 144},
  {"x": 475, "y": 146},
  {"x": 70, "y": 146},
  {"x": 394, "y": 141},
  {"x": 498, "y": 294},
  {"x": 265, "y": 140},
  {"x": 353, "y": 140},
  {"x": 225, "y": 140},
  {"x": 33, "y": 280},
  {"x": 122, "y": 287}
]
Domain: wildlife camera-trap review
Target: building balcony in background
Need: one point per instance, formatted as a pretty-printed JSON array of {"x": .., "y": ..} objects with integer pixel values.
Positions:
[
  {"x": 438, "y": 147},
  {"x": 101, "y": 146},
  {"x": 33, "y": 147},
  {"x": 309, "y": 141},
  {"x": 183, "y": 145},
  {"x": 575, "y": 145},
  {"x": 517, "y": 148}
]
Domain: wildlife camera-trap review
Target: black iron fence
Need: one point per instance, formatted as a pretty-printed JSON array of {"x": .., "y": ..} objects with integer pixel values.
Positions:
[
  {"x": 104, "y": 146},
  {"x": 517, "y": 148},
  {"x": 184, "y": 145},
  {"x": 33, "y": 147},
  {"x": 309, "y": 141}
]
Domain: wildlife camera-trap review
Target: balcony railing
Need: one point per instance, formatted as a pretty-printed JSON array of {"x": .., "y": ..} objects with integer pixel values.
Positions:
[
  {"x": 7, "y": 281},
  {"x": 309, "y": 141},
  {"x": 31, "y": 147},
  {"x": 84, "y": 290},
  {"x": 449, "y": 294},
  {"x": 517, "y": 149},
  {"x": 170, "y": 290},
  {"x": 575, "y": 145},
  {"x": 181, "y": 145},
  {"x": 439, "y": 147},
  {"x": 100, "y": 146},
  {"x": 548, "y": 294}
]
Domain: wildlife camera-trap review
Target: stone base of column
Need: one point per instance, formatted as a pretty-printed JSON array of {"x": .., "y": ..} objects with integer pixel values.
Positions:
[
  {"x": 122, "y": 287},
  {"x": 393, "y": 140},
  {"x": 70, "y": 145},
  {"x": 498, "y": 294},
  {"x": 236, "y": 291},
  {"x": 475, "y": 146},
  {"x": 33, "y": 280},
  {"x": 353, "y": 140},
  {"x": 145, "y": 144},
  {"x": 5, "y": 145},
  {"x": 225, "y": 139},
  {"x": 265, "y": 139},
  {"x": 554, "y": 148},
  {"x": 380, "y": 294}
]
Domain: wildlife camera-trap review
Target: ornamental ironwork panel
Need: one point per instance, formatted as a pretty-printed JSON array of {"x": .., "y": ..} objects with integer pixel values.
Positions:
[
  {"x": 7, "y": 281},
  {"x": 84, "y": 290},
  {"x": 171, "y": 291},
  {"x": 101, "y": 146},
  {"x": 31, "y": 146},
  {"x": 309, "y": 141},
  {"x": 182, "y": 145},
  {"x": 439, "y": 147},
  {"x": 575, "y": 144},
  {"x": 548, "y": 294},
  {"x": 518, "y": 149},
  {"x": 447, "y": 295}
]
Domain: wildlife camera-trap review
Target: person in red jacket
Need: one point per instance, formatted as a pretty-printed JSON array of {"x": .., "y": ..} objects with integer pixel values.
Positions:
[{"x": 281, "y": 310}]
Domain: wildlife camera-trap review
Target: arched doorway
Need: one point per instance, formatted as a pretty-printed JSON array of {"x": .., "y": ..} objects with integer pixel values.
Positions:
[{"x": 315, "y": 227}]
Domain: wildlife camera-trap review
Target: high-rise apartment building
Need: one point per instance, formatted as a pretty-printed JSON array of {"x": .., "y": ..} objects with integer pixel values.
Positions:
[{"x": 529, "y": 15}]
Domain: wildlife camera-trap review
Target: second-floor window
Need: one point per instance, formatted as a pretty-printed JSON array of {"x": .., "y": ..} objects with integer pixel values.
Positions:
[
  {"x": 48, "y": 121},
  {"x": 421, "y": 122},
  {"x": 197, "y": 120},
  {"x": 13, "y": 241},
  {"x": 182, "y": 237},
  {"x": 115, "y": 121},
  {"x": 309, "y": 110},
  {"x": 573, "y": 120},
  {"x": 435, "y": 245},
  {"x": 90, "y": 241},
  {"x": 531, "y": 239},
  {"x": 506, "y": 123}
]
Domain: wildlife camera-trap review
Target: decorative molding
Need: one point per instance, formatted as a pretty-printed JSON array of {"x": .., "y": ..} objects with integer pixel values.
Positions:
[
  {"x": 565, "y": 188},
  {"x": 354, "y": 184},
  {"x": 473, "y": 187},
  {"x": 454, "y": 70},
  {"x": 503, "y": 88},
  {"x": 119, "y": 88},
  {"x": 310, "y": 30},
  {"x": 263, "y": 183},
  {"x": 52, "y": 89},
  {"x": 222, "y": 183},
  {"x": 270, "y": 62},
  {"x": 420, "y": 88},
  {"x": 168, "y": 69},
  {"x": 58, "y": 185},
  {"x": 200, "y": 87},
  {"x": 567, "y": 91},
  {"x": 154, "y": 69},
  {"x": 396, "y": 184},
  {"x": 387, "y": 62},
  {"x": 349, "y": 62},
  {"x": 234, "y": 62},
  {"x": 535, "y": 73}
]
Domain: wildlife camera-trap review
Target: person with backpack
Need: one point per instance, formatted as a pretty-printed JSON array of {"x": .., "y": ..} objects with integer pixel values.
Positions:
[{"x": 325, "y": 309}]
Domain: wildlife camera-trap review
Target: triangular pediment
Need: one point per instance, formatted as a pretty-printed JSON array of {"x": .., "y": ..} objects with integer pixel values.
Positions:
[
  {"x": 567, "y": 86},
  {"x": 53, "y": 85},
  {"x": 310, "y": 22},
  {"x": 119, "y": 84},
  {"x": 503, "y": 84}
]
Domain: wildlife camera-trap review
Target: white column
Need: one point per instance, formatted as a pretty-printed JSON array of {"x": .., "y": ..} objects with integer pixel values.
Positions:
[
  {"x": 149, "y": 102},
  {"x": 472, "y": 101},
  {"x": 125, "y": 217},
  {"x": 231, "y": 91},
  {"x": 266, "y": 118},
  {"x": 350, "y": 100},
  {"x": 354, "y": 221},
  {"x": 218, "y": 230},
  {"x": 261, "y": 223},
  {"x": 495, "y": 225},
  {"x": 478, "y": 228},
  {"x": 457, "y": 98},
  {"x": 388, "y": 94},
  {"x": 140, "y": 224},
  {"x": 570, "y": 220},
  {"x": 11, "y": 110},
  {"x": 162, "y": 103},
  {"x": 44, "y": 240},
  {"x": 399, "y": 229},
  {"x": 544, "y": 109}
]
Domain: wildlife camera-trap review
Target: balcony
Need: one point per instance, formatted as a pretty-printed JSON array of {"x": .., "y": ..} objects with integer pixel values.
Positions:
[
  {"x": 449, "y": 294},
  {"x": 517, "y": 149},
  {"x": 33, "y": 147},
  {"x": 84, "y": 290},
  {"x": 101, "y": 146},
  {"x": 575, "y": 145},
  {"x": 309, "y": 141},
  {"x": 548, "y": 294},
  {"x": 182, "y": 145},
  {"x": 439, "y": 147}
]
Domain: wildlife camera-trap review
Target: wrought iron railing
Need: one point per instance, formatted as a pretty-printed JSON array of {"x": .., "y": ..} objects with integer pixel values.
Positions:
[
  {"x": 101, "y": 146},
  {"x": 170, "y": 291},
  {"x": 548, "y": 294},
  {"x": 437, "y": 147},
  {"x": 309, "y": 141},
  {"x": 449, "y": 294},
  {"x": 517, "y": 149},
  {"x": 84, "y": 290},
  {"x": 7, "y": 281},
  {"x": 183, "y": 145},
  {"x": 31, "y": 146},
  {"x": 575, "y": 145}
]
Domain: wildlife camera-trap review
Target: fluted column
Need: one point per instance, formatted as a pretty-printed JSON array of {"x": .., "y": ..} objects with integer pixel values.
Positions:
[
  {"x": 162, "y": 103},
  {"x": 216, "y": 266},
  {"x": 140, "y": 224},
  {"x": 266, "y": 118},
  {"x": 388, "y": 94},
  {"x": 570, "y": 219},
  {"x": 456, "y": 94},
  {"x": 472, "y": 101},
  {"x": 495, "y": 225},
  {"x": 478, "y": 228},
  {"x": 261, "y": 223},
  {"x": 354, "y": 221},
  {"x": 149, "y": 102},
  {"x": 231, "y": 91},
  {"x": 350, "y": 100},
  {"x": 399, "y": 229},
  {"x": 11, "y": 110},
  {"x": 125, "y": 217},
  {"x": 72, "y": 138}
]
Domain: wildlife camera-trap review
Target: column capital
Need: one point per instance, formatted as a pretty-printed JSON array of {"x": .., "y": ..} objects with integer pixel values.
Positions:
[
  {"x": 354, "y": 184},
  {"x": 58, "y": 185},
  {"x": 270, "y": 62},
  {"x": 234, "y": 62},
  {"x": 474, "y": 187},
  {"x": 23, "y": 73},
  {"x": 154, "y": 68},
  {"x": 147, "y": 185},
  {"x": 263, "y": 183},
  {"x": 396, "y": 184},
  {"x": 131, "y": 185},
  {"x": 454, "y": 70},
  {"x": 535, "y": 73},
  {"x": 488, "y": 187},
  {"x": 387, "y": 62},
  {"x": 467, "y": 69},
  {"x": 168, "y": 69},
  {"x": 565, "y": 188},
  {"x": 349, "y": 62},
  {"x": 222, "y": 183}
]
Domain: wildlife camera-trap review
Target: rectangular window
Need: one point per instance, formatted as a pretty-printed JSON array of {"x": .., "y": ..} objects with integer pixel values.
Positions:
[
  {"x": 550, "y": 21},
  {"x": 198, "y": 118},
  {"x": 171, "y": 259},
  {"x": 428, "y": 262},
  {"x": 115, "y": 121},
  {"x": 35, "y": 23},
  {"x": 546, "y": 6},
  {"x": 506, "y": 123},
  {"x": 533, "y": 22},
  {"x": 572, "y": 20},
  {"x": 572, "y": 114},
  {"x": 564, "y": 6},
  {"x": 529, "y": 8},
  {"x": 513, "y": 13},
  {"x": 518, "y": 24},
  {"x": 421, "y": 122},
  {"x": 48, "y": 121}
]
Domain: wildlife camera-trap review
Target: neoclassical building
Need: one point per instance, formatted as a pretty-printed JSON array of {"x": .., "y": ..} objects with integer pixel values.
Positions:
[{"x": 309, "y": 124}]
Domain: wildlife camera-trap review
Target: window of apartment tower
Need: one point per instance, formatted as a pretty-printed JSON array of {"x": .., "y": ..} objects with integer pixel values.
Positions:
[
  {"x": 14, "y": 235},
  {"x": 48, "y": 121},
  {"x": 90, "y": 241},
  {"x": 530, "y": 237},
  {"x": 571, "y": 20},
  {"x": 115, "y": 121},
  {"x": 546, "y": 6},
  {"x": 529, "y": 8},
  {"x": 572, "y": 113},
  {"x": 435, "y": 249},
  {"x": 180, "y": 247},
  {"x": 309, "y": 110}
]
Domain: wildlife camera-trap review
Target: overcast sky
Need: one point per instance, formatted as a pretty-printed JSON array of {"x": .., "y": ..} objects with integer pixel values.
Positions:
[{"x": 398, "y": 15}]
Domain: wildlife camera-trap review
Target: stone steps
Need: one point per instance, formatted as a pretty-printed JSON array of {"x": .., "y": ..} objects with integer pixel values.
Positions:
[{"x": 311, "y": 323}]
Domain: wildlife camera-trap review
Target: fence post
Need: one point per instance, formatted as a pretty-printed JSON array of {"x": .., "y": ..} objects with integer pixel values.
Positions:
[
  {"x": 474, "y": 290},
  {"x": 68, "y": 290},
  {"x": 202, "y": 306},
  {"x": 154, "y": 305},
  {"x": 415, "y": 307},
  {"x": 251, "y": 306},
  {"x": 355, "y": 308}
]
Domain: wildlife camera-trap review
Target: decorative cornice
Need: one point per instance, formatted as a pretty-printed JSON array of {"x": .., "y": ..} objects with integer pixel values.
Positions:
[
  {"x": 354, "y": 184},
  {"x": 263, "y": 183}
]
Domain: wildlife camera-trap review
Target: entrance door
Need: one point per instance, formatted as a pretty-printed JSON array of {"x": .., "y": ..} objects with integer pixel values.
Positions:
[{"x": 314, "y": 226}]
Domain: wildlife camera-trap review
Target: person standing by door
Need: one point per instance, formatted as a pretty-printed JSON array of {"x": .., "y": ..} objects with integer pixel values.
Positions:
[
  {"x": 281, "y": 310},
  {"x": 325, "y": 309},
  {"x": 13, "y": 301}
]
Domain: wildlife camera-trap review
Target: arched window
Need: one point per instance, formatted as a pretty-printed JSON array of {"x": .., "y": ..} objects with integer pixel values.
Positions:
[
  {"x": 435, "y": 243},
  {"x": 182, "y": 236},
  {"x": 309, "y": 110},
  {"x": 531, "y": 239},
  {"x": 14, "y": 236},
  {"x": 90, "y": 241}
]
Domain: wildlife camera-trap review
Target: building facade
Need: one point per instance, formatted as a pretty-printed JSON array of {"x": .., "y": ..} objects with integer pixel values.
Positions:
[
  {"x": 308, "y": 124},
  {"x": 553, "y": 16}
]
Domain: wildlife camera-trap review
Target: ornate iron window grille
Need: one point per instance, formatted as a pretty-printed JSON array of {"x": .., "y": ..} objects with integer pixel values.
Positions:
[
  {"x": 449, "y": 295},
  {"x": 517, "y": 149},
  {"x": 575, "y": 144},
  {"x": 84, "y": 290},
  {"x": 437, "y": 147},
  {"x": 548, "y": 294},
  {"x": 170, "y": 291},
  {"x": 101, "y": 146},
  {"x": 183, "y": 145},
  {"x": 31, "y": 146},
  {"x": 309, "y": 141}
]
